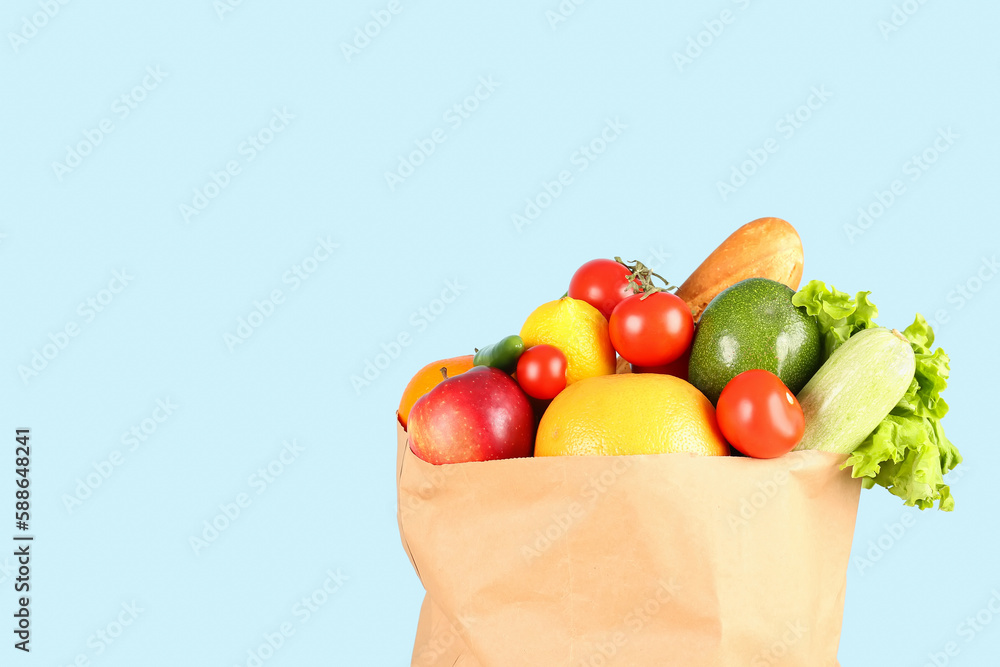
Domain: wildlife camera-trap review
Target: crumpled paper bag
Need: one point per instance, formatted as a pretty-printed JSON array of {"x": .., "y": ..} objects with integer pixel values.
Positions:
[{"x": 660, "y": 560}]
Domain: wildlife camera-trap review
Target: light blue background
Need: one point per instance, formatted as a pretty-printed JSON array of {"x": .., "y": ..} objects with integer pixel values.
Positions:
[{"x": 653, "y": 191}]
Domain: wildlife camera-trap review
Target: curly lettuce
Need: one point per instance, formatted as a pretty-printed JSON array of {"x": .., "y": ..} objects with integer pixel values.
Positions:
[
  {"x": 839, "y": 316},
  {"x": 908, "y": 452}
]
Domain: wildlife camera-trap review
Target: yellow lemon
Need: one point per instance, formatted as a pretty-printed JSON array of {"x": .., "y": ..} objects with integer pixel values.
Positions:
[
  {"x": 578, "y": 330},
  {"x": 642, "y": 413}
]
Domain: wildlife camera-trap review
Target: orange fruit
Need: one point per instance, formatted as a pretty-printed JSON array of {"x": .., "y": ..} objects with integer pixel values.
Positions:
[
  {"x": 613, "y": 415},
  {"x": 426, "y": 379},
  {"x": 579, "y": 331}
]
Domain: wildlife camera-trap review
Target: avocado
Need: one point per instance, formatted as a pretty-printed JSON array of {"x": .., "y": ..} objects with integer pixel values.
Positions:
[{"x": 753, "y": 324}]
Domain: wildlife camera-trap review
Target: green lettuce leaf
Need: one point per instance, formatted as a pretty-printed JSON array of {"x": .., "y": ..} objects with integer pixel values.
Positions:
[
  {"x": 839, "y": 316},
  {"x": 908, "y": 452}
]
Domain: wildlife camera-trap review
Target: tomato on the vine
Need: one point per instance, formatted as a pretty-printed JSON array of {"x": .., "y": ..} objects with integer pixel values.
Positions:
[
  {"x": 651, "y": 329},
  {"x": 759, "y": 416},
  {"x": 603, "y": 283},
  {"x": 541, "y": 371}
]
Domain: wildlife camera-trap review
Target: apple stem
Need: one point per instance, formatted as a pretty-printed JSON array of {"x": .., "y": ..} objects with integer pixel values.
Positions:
[{"x": 444, "y": 372}]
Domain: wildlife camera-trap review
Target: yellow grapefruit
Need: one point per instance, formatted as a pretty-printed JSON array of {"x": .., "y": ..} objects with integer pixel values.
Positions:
[{"x": 644, "y": 413}]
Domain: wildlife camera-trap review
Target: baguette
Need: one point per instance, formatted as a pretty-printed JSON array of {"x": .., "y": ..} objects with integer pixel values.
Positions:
[{"x": 765, "y": 248}]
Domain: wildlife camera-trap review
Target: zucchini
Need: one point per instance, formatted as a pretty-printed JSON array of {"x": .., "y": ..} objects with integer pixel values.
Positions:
[{"x": 855, "y": 389}]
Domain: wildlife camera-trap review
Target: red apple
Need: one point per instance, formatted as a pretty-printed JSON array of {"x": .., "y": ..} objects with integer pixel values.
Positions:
[{"x": 479, "y": 415}]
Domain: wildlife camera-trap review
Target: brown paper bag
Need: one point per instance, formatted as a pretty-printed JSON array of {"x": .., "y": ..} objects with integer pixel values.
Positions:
[{"x": 638, "y": 561}]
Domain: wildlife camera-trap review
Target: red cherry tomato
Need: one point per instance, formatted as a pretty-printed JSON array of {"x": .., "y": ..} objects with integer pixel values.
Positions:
[
  {"x": 653, "y": 331},
  {"x": 759, "y": 415},
  {"x": 541, "y": 371},
  {"x": 603, "y": 283}
]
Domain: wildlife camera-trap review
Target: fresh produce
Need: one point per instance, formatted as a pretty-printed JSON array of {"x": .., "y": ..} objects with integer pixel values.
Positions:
[
  {"x": 651, "y": 329},
  {"x": 479, "y": 415},
  {"x": 907, "y": 452},
  {"x": 855, "y": 389},
  {"x": 839, "y": 317},
  {"x": 643, "y": 397},
  {"x": 754, "y": 324},
  {"x": 759, "y": 416},
  {"x": 677, "y": 368},
  {"x": 603, "y": 283},
  {"x": 541, "y": 371},
  {"x": 765, "y": 248},
  {"x": 629, "y": 414},
  {"x": 503, "y": 354},
  {"x": 578, "y": 330},
  {"x": 605, "y": 370},
  {"x": 426, "y": 379}
]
